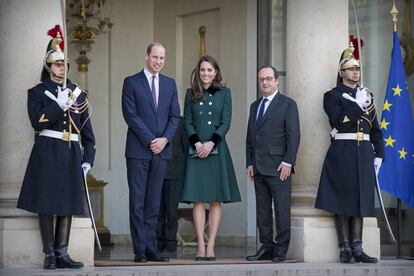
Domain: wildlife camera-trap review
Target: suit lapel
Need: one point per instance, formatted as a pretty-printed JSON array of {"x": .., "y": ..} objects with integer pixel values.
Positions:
[
  {"x": 161, "y": 97},
  {"x": 255, "y": 107},
  {"x": 144, "y": 82},
  {"x": 270, "y": 108}
]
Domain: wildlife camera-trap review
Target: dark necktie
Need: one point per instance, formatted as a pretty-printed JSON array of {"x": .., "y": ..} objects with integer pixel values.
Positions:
[
  {"x": 154, "y": 96},
  {"x": 261, "y": 111}
]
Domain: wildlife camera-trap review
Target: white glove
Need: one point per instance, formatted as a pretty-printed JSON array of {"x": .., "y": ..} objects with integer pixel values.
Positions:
[
  {"x": 63, "y": 99},
  {"x": 377, "y": 164},
  {"x": 363, "y": 97},
  {"x": 86, "y": 167}
]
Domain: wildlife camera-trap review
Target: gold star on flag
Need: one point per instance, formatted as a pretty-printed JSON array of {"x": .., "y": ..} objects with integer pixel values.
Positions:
[
  {"x": 384, "y": 124},
  {"x": 397, "y": 90},
  {"x": 389, "y": 141},
  {"x": 387, "y": 105},
  {"x": 402, "y": 153}
]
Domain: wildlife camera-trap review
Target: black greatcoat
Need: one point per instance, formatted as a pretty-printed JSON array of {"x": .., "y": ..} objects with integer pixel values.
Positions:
[
  {"x": 347, "y": 180},
  {"x": 53, "y": 183}
]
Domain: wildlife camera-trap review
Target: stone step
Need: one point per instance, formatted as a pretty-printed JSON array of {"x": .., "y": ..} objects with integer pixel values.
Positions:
[{"x": 383, "y": 268}]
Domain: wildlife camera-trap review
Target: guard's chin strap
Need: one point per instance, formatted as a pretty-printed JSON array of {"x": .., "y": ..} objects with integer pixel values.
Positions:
[
  {"x": 343, "y": 76},
  {"x": 56, "y": 76},
  {"x": 51, "y": 73},
  {"x": 352, "y": 81}
]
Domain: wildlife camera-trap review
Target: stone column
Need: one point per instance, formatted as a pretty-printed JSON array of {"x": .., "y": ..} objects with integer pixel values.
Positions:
[
  {"x": 23, "y": 29},
  {"x": 317, "y": 33}
]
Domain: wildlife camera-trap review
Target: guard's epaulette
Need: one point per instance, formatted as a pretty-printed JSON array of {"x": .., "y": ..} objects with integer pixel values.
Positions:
[
  {"x": 30, "y": 88},
  {"x": 83, "y": 90},
  {"x": 330, "y": 89}
]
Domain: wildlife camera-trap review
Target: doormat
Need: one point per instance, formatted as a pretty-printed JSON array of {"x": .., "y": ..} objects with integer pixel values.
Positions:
[{"x": 219, "y": 261}]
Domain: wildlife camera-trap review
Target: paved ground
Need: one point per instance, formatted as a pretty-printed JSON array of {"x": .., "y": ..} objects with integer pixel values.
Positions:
[
  {"x": 385, "y": 267},
  {"x": 185, "y": 266}
]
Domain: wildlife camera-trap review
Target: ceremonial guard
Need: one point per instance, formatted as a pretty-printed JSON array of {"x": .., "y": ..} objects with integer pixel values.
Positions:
[
  {"x": 63, "y": 150},
  {"x": 347, "y": 184}
]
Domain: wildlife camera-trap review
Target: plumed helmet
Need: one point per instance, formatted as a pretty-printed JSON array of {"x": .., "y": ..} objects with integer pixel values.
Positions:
[
  {"x": 348, "y": 60},
  {"x": 55, "y": 48},
  {"x": 54, "y": 52}
]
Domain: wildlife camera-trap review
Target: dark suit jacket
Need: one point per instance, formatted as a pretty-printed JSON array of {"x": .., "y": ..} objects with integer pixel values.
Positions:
[
  {"x": 276, "y": 139},
  {"x": 144, "y": 122},
  {"x": 179, "y": 144}
]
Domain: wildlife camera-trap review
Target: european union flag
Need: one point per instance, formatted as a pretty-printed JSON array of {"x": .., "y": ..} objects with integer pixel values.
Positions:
[{"x": 396, "y": 175}]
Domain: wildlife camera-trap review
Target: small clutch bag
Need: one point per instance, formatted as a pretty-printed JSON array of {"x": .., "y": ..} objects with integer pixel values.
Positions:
[{"x": 192, "y": 152}]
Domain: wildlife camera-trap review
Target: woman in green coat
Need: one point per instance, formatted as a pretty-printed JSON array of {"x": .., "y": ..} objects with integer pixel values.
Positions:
[{"x": 209, "y": 174}]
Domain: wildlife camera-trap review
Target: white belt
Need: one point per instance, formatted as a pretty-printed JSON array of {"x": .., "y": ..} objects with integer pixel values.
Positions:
[
  {"x": 65, "y": 136},
  {"x": 359, "y": 136}
]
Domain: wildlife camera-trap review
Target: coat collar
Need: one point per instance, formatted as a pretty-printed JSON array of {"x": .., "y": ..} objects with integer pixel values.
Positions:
[
  {"x": 51, "y": 86},
  {"x": 346, "y": 89}
]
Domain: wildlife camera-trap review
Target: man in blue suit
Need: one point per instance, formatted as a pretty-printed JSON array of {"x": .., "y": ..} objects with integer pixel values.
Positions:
[{"x": 151, "y": 111}]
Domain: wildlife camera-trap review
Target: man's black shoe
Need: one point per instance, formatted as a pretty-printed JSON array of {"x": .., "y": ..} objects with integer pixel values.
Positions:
[
  {"x": 151, "y": 257},
  {"x": 169, "y": 254},
  {"x": 360, "y": 256},
  {"x": 278, "y": 256},
  {"x": 262, "y": 254},
  {"x": 49, "y": 262},
  {"x": 66, "y": 262},
  {"x": 345, "y": 256},
  {"x": 140, "y": 258}
]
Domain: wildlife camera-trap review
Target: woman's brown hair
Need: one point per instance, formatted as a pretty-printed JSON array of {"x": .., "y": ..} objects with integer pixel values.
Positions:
[{"x": 196, "y": 83}]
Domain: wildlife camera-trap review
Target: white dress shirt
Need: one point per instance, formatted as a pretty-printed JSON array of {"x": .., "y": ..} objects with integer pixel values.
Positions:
[
  {"x": 157, "y": 82},
  {"x": 269, "y": 100}
]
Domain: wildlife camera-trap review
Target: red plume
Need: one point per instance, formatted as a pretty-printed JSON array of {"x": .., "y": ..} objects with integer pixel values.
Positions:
[
  {"x": 53, "y": 33},
  {"x": 354, "y": 41}
]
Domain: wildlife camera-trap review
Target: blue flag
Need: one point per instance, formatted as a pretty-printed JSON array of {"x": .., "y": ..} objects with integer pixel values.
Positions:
[{"x": 396, "y": 175}]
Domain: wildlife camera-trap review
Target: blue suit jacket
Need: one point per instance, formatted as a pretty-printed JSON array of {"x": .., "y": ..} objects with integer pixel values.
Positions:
[{"x": 144, "y": 122}]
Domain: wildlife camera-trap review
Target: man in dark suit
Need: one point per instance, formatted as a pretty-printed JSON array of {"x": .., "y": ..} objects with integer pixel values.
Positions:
[
  {"x": 271, "y": 145},
  {"x": 167, "y": 218},
  {"x": 151, "y": 111}
]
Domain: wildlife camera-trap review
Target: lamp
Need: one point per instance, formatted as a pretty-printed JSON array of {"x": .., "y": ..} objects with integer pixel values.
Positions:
[{"x": 90, "y": 21}]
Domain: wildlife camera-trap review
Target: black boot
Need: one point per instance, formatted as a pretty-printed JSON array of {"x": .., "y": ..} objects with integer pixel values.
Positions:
[
  {"x": 46, "y": 232},
  {"x": 342, "y": 229},
  {"x": 356, "y": 244},
  {"x": 61, "y": 243}
]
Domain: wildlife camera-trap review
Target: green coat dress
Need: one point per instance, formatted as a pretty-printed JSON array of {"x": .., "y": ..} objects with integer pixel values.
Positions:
[{"x": 211, "y": 179}]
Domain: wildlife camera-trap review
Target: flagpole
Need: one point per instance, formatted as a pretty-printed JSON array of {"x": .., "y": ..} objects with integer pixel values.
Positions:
[
  {"x": 394, "y": 13},
  {"x": 399, "y": 228}
]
